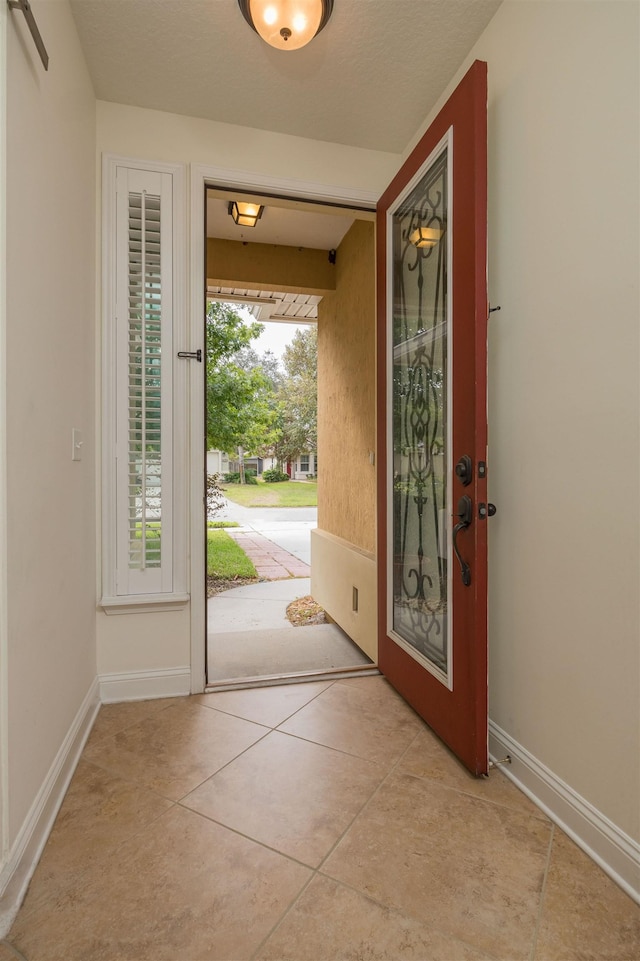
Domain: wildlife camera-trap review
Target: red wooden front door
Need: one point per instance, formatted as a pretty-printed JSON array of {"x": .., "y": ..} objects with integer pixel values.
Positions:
[{"x": 432, "y": 424}]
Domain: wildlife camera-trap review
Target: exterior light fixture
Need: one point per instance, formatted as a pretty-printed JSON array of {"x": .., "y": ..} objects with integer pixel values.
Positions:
[
  {"x": 425, "y": 236},
  {"x": 245, "y": 215},
  {"x": 286, "y": 24}
]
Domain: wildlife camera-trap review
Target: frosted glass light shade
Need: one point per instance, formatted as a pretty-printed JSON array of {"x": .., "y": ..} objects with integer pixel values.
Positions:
[
  {"x": 244, "y": 214},
  {"x": 287, "y": 24}
]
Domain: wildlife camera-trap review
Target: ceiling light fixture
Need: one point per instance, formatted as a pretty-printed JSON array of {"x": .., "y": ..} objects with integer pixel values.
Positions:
[
  {"x": 245, "y": 215},
  {"x": 425, "y": 236},
  {"x": 286, "y": 24}
]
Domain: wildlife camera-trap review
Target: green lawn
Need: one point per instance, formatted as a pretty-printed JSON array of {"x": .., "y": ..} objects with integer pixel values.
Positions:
[
  {"x": 284, "y": 494},
  {"x": 225, "y": 559}
]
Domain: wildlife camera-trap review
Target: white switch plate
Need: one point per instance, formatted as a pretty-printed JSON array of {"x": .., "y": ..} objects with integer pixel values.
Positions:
[{"x": 76, "y": 444}]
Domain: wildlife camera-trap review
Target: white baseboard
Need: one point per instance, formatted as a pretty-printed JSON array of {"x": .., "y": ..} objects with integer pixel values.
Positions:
[
  {"x": 27, "y": 847},
  {"x": 615, "y": 852},
  {"x": 144, "y": 685}
]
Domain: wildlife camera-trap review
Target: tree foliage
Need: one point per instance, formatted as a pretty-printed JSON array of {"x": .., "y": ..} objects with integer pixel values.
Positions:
[
  {"x": 252, "y": 404},
  {"x": 240, "y": 402},
  {"x": 298, "y": 396}
]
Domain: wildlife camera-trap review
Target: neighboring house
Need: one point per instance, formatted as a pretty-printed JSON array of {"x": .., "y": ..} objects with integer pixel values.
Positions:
[
  {"x": 217, "y": 462},
  {"x": 304, "y": 466},
  {"x": 563, "y": 372},
  {"x": 258, "y": 464}
]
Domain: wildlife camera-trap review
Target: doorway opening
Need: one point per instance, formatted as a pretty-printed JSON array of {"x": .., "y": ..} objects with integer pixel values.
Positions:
[{"x": 276, "y": 276}]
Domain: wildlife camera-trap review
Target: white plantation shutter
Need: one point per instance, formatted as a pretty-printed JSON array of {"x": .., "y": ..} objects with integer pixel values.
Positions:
[
  {"x": 138, "y": 520},
  {"x": 144, "y": 440}
]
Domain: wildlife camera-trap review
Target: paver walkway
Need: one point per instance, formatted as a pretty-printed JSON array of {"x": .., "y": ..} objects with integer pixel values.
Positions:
[{"x": 271, "y": 562}]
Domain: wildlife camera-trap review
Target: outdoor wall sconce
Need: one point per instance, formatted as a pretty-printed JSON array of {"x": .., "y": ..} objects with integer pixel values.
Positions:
[
  {"x": 425, "y": 236},
  {"x": 245, "y": 215},
  {"x": 286, "y": 24}
]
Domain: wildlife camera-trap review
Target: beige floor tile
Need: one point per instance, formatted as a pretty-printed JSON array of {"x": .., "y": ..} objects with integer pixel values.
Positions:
[
  {"x": 99, "y": 812},
  {"x": 290, "y": 794},
  {"x": 8, "y": 954},
  {"x": 176, "y": 749},
  {"x": 442, "y": 857},
  {"x": 113, "y": 718},
  {"x": 429, "y": 757},
  {"x": 363, "y": 716},
  {"x": 585, "y": 915},
  {"x": 185, "y": 890},
  {"x": 330, "y": 922},
  {"x": 265, "y": 705}
]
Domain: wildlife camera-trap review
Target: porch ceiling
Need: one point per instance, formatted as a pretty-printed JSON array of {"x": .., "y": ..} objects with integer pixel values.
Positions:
[
  {"x": 368, "y": 80},
  {"x": 275, "y": 305}
]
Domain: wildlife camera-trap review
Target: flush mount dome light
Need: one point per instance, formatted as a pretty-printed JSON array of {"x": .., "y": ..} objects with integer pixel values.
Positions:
[
  {"x": 245, "y": 215},
  {"x": 286, "y": 24}
]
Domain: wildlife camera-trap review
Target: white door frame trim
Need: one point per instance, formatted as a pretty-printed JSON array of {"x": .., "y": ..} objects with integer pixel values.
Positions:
[{"x": 201, "y": 175}]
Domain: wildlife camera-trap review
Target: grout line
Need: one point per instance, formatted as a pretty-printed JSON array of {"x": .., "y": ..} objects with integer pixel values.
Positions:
[
  {"x": 317, "y": 871},
  {"x": 130, "y": 724},
  {"x": 543, "y": 892},
  {"x": 328, "y": 747},
  {"x": 248, "y": 837},
  {"x": 285, "y": 914},
  {"x": 268, "y": 730},
  {"x": 365, "y": 806},
  {"x": 369, "y": 800},
  {"x": 287, "y": 718},
  {"x": 18, "y": 954},
  {"x": 80, "y": 873}
]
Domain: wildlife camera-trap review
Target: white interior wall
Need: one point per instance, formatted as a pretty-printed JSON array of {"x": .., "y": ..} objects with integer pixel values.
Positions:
[
  {"x": 564, "y": 409},
  {"x": 51, "y": 655},
  {"x": 154, "y": 135}
]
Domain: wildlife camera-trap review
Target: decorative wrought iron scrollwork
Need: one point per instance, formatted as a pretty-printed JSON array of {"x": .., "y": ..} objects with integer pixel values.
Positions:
[{"x": 419, "y": 415}]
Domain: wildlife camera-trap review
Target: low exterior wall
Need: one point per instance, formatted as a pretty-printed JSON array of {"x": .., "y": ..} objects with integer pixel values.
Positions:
[{"x": 337, "y": 568}]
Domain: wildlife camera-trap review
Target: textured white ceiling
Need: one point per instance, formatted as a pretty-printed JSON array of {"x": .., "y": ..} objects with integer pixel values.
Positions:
[{"x": 368, "y": 80}]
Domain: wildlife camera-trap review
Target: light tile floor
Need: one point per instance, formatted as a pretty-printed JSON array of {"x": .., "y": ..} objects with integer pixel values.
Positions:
[{"x": 317, "y": 821}]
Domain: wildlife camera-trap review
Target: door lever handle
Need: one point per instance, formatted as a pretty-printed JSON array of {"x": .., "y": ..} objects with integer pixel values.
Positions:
[
  {"x": 191, "y": 355},
  {"x": 465, "y": 513}
]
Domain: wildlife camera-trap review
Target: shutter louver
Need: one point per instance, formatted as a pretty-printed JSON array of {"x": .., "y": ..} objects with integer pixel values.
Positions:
[{"x": 145, "y": 383}]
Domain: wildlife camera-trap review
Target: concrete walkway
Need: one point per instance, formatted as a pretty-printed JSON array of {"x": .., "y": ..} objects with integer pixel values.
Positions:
[
  {"x": 249, "y": 635},
  {"x": 271, "y": 561},
  {"x": 287, "y": 527}
]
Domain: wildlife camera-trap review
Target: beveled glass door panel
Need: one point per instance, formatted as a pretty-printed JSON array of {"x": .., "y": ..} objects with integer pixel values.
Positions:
[{"x": 419, "y": 435}]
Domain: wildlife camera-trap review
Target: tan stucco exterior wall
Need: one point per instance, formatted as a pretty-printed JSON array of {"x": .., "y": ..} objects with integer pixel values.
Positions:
[
  {"x": 343, "y": 565},
  {"x": 346, "y": 394},
  {"x": 269, "y": 266}
]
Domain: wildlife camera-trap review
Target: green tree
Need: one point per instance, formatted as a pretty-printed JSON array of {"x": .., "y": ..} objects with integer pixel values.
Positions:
[
  {"x": 298, "y": 396},
  {"x": 240, "y": 403}
]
